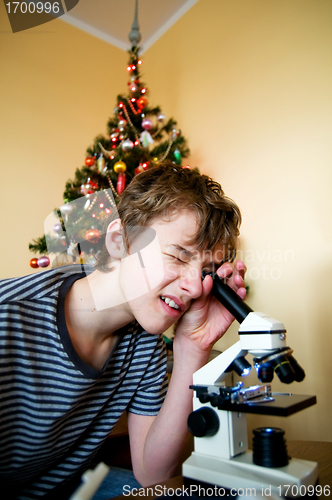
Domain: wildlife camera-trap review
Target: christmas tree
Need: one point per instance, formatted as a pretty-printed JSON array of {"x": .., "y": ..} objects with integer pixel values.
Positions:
[{"x": 139, "y": 137}]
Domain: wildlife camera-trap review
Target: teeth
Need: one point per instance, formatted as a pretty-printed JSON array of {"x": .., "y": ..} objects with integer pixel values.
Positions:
[{"x": 170, "y": 302}]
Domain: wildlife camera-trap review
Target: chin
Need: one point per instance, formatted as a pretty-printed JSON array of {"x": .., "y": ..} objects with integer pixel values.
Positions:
[{"x": 152, "y": 327}]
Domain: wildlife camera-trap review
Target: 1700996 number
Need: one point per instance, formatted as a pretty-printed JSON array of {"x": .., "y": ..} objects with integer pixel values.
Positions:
[
  {"x": 292, "y": 490},
  {"x": 32, "y": 7}
]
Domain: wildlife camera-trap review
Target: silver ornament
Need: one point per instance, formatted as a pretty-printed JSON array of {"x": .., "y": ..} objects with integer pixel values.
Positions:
[
  {"x": 66, "y": 209},
  {"x": 127, "y": 145}
]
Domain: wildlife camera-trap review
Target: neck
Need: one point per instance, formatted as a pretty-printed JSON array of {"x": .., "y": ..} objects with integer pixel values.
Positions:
[{"x": 94, "y": 311}]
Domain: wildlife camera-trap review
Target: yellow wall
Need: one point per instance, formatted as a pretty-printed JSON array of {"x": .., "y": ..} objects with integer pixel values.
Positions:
[{"x": 249, "y": 82}]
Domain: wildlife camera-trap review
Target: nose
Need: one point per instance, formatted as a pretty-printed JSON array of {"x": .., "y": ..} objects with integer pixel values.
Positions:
[{"x": 191, "y": 282}]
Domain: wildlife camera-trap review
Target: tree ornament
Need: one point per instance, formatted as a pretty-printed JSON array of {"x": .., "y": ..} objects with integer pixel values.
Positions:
[
  {"x": 43, "y": 261},
  {"x": 135, "y": 35},
  {"x": 93, "y": 235},
  {"x": 139, "y": 169},
  {"x": 147, "y": 124},
  {"x": 119, "y": 167},
  {"x": 34, "y": 263},
  {"x": 66, "y": 209},
  {"x": 72, "y": 249},
  {"x": 57, "y": 229},
  {"x": 127, "y": 145},
  {"x": 121, "y": 184},
  {"x": 161, "y": 118},
  {"x": 101, "y": 163},
  {"x": 146, "y": 139},
  {"x": 142, "y": 102},
  {"x": 177, "y": 157},
  {"x": 89, "y": 161},
  {"x": 122, "y": 124},
  {"x": 175, "y": 134},
  {"x": 89, "y": 188}
]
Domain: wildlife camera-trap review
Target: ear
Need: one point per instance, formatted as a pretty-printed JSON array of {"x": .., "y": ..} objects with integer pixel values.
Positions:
[{"x": 114, "y": 240}]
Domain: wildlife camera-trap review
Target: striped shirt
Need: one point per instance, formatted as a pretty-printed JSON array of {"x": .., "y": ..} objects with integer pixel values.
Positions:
[{"x": 55, "y": 410}]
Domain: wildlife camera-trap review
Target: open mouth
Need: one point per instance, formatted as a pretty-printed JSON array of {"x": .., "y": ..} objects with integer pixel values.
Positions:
[{"x": 170, "y": 302}]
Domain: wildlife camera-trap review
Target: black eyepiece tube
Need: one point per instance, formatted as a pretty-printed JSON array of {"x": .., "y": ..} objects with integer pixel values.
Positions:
[{"x": 228, "y": 298}]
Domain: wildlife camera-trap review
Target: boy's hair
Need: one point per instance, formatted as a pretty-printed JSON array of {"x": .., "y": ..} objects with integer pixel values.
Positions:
[{"x": 161, "y": 191}]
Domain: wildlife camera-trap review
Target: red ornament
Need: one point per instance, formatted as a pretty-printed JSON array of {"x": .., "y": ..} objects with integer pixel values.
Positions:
[
  {"x": 34, "y": 263},
  {"x": 147, "y": 123},
  {"x": 91, "y": 187},
  {"x": 89, "y": 161},
  {"x": 142, "y": 102},
  {"x": 92, "y": 235},
  {"x": 121, "y": 182},
  {"x": 139, "y": 169}
]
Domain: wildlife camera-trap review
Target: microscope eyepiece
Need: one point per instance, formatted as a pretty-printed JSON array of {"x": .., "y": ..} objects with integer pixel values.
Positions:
[{"x": 229, "y": 298}]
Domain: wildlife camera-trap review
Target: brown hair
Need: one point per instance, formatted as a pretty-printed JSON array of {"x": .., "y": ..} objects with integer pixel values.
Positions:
[{"x": 163, "y": 190}]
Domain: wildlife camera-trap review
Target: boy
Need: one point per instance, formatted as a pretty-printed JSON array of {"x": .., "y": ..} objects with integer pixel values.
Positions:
[{"x": 81, "y": 348}]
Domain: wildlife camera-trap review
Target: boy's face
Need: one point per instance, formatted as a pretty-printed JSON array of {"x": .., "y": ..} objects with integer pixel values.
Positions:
[{"x": 180, "y": 282}]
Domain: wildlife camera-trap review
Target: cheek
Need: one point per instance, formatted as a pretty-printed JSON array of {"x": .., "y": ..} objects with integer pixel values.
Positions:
[
  {"x": 134, "y": 282},
  {"x": 171, "y": 271}
]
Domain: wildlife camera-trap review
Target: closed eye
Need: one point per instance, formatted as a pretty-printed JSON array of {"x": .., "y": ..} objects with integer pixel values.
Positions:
[{"x": 176, "y": 258}]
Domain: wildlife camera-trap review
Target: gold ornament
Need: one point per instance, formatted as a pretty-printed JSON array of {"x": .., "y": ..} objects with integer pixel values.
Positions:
[{"x": 120, "y": 166}]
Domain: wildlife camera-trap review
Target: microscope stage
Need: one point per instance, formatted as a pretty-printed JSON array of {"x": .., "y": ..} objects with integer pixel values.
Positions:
[{"x": 282, "y": 406}]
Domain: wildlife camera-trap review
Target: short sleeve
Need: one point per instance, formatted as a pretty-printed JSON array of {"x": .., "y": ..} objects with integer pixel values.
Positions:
[{"x": 151, "y": 391}]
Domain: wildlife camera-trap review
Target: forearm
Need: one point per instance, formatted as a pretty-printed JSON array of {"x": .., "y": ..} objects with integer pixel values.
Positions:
[{"x": 168, "y": 437}]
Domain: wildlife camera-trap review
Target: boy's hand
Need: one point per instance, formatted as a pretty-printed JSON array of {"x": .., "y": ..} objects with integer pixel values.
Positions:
[{"x": 207, "y": 320}]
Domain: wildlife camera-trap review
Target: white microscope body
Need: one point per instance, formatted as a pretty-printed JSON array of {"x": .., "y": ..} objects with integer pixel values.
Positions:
[{"x": 218, "y": 422}]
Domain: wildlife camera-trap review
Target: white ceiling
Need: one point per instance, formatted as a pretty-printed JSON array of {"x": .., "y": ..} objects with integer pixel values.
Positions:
[{"x": 111, "y": 20}]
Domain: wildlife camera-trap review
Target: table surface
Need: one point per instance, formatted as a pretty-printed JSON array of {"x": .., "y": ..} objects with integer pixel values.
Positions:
[{"x": 315, "y": 451}]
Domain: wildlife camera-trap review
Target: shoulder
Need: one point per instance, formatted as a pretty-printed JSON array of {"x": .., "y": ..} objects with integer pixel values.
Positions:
[{"x": 38, "y": 284}]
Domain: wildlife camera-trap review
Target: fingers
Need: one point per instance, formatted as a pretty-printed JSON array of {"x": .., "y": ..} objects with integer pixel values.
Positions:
[
  {"x": 235, "y": 276},
  {"x": 207, "y": 286}
]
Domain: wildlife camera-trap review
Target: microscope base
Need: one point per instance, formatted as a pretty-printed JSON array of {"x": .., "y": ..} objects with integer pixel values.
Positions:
[{"x": 240, "y": 473}]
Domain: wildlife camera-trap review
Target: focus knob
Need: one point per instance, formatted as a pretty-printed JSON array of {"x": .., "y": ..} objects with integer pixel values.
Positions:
[{"x": 203, "y": 422}]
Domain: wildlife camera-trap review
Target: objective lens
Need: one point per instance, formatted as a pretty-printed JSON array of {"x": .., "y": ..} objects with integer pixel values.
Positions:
[
  {"x": 284, "y": 369},
  {"x": 265, "y": 372},
  {"x": 240, "y": 366},
  {"x": 299, "y": 372}
]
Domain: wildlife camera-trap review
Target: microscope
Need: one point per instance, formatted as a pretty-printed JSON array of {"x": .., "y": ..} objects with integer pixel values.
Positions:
[{"x": 218, "y": 422}]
